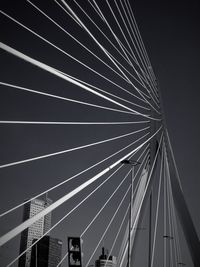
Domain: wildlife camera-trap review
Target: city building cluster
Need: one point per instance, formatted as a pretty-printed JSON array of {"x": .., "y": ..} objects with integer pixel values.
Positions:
[{"x": 40, "y": 250}]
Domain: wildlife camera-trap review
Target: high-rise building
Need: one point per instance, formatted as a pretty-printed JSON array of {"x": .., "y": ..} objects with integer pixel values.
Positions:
[
  {"x": 36, "y": 230},
  {"x": 104, "y": 261},
  {"x": 46, "y": 253}
]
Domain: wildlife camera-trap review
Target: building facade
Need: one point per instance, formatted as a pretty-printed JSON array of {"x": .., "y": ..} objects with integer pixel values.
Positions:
[
  {"x": 105, "y": 261},
  {"x": 36, "y": 230},
  {"x": 46, "y": 253}
]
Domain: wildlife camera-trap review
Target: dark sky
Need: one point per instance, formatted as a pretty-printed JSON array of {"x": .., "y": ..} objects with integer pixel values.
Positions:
[{"x": 170, "y": 32}]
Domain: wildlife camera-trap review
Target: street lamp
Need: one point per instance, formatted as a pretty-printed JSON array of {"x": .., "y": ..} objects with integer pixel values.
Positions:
[{"x": 133, "y": 163}]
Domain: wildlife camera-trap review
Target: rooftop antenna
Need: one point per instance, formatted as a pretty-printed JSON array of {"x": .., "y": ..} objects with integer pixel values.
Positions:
[
  {"x": 103, "y": 248},
  {"x": 46, "y": 197}
]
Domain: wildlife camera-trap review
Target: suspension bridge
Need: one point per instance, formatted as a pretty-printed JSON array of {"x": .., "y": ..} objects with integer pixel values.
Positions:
[{"x": 83, "y": 124}]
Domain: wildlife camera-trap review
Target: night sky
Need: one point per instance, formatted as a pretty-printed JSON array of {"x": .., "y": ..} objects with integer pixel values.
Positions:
[{"x": 170, "y": 31}]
